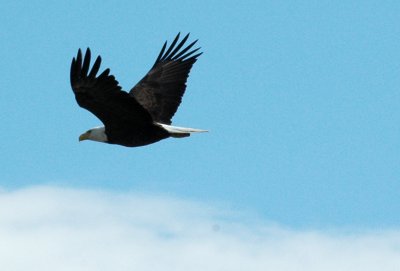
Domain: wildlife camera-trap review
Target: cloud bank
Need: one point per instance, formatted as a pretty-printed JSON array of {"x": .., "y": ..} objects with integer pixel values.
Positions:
[{"x": 49, "y": 228}]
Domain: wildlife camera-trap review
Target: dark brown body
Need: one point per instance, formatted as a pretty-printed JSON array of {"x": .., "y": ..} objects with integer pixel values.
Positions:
[{"x": 136, "y": 136}]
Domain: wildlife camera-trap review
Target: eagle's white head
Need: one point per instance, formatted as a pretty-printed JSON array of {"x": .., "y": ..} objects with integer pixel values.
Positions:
[{"x": 95, "y": 134}]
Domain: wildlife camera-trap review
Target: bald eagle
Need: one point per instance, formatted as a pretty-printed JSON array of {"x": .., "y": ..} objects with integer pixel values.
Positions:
[{"x": 142, "y": 116}]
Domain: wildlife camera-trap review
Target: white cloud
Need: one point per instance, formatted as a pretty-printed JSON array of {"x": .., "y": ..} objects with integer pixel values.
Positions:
[{"x": 47, "y": 228}]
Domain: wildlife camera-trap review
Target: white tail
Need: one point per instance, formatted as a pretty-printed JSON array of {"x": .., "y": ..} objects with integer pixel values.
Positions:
[{"x": 176, "y": 131}]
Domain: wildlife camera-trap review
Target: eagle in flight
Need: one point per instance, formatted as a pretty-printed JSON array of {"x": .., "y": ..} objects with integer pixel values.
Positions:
[{"x": 142, "y": 116}]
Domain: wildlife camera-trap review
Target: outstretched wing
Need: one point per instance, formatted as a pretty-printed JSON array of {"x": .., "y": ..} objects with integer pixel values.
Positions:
[
  {"x": 160, "y": 91},
  {"x": 102, "y": 95}
]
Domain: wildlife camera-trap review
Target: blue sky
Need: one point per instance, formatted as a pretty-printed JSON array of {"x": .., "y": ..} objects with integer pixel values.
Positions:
[
  {"x": 300, "y": 169},
  {"x": 301, "y": 100}
]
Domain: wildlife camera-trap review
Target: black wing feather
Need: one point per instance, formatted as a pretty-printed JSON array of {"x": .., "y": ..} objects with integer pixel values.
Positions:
[
  {"x": 103, "y": 96},
  {"x": 160, "y": 91},
  {"x": 167, "y": 53}
]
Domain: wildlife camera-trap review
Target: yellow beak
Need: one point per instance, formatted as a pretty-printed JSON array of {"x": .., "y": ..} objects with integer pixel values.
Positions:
[{"x": 84, "y": 136}]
